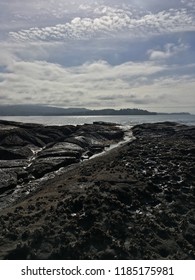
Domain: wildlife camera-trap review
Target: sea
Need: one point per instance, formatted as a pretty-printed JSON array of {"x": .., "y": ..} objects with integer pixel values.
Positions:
[{"x": 126, "y": 120}]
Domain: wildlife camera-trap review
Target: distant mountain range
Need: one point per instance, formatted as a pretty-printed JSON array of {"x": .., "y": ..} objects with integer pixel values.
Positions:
[{"x": 43, "y": 110}]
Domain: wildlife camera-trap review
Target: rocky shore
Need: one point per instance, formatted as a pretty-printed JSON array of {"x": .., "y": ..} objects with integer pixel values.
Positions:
[
  {"x": 136, "y": 201},
  {"x": 32, "y": 153}
]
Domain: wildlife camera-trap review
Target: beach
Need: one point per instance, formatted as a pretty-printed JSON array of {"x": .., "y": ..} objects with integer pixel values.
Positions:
[{"x": 135, "y": 201}]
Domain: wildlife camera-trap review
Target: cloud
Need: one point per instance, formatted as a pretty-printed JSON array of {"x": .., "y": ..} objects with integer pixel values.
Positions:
[
  {"x": 189, "y": 3},
  {"x": 168, "y": 51},
  {"x": 126, "y": 85},
  {"x": 6, "y": 60},
  {"x": 108, "y": 21},
  {"x": 103, "y": 53}
]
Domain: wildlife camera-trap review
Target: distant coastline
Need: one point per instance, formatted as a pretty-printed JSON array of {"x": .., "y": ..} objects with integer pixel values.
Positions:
[{"x": 43, "y": 110}]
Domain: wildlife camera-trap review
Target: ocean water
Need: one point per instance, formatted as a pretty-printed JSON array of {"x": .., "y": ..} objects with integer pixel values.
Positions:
[{"x": 123, "y": 120}]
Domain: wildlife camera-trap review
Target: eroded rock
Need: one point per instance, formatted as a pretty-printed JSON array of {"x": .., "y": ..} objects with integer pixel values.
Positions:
[{"x": 31, "y": 150}]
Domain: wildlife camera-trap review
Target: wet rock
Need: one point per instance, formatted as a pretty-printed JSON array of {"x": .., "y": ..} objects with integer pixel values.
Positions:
[
  {"x": 15, "y": 153},
  {"x": 34, "y": 150},
  {"x": 98, "y": 148},
  {"x": 8, "y": 180},
  {"x": 63, "y": 149},
  {"x": 112, "y": 134},
  {"x": 135, "y": 202},
  {"x": 13, "y": 163},
  {"x": 82, "y": 141},
  {"x": 43, "y": 166}
]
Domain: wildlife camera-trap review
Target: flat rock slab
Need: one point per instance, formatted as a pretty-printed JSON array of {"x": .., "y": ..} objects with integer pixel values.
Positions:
[
  {"x": 43, "y": 166},
  {"x": 62, "y": 149}
]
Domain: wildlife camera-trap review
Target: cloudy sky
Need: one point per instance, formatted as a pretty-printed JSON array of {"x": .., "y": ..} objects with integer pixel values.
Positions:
[{"x": 98, "y": 53}]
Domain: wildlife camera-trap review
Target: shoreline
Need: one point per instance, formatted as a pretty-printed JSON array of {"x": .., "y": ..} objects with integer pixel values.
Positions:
[{"x": 133, "y": 202}]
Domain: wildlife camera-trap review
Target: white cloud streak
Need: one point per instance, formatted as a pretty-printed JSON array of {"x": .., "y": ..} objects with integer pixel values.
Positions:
[
  {"x": 107, "y": 21},
  {"x": 168, "y": 51}
]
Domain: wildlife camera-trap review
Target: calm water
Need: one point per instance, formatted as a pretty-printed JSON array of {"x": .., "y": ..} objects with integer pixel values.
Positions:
[{"x": 124, "y": 120}]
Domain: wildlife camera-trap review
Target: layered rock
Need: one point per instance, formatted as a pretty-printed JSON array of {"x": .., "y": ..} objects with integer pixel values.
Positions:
[
  {"x": 31, "y": 151},
  {"x": 134, "y": 202}
]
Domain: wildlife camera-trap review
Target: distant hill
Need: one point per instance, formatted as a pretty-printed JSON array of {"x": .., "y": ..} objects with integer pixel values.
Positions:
[
  {"x": 41, "y": 110},
  {"x": 121, "y": 112},
  {"x": 38, "y": 110}
]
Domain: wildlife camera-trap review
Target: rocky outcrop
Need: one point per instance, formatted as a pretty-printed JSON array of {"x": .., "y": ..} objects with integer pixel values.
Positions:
[
  {"x": 31, "y": 151},
  {"x": 133, "y": 202},
  {"x": 8, "y": 180},
  {"x": 15, "y": 152}
]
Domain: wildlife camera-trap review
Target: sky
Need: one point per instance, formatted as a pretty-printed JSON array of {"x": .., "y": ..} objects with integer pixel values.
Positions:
[{"x": 98, "y": 54}]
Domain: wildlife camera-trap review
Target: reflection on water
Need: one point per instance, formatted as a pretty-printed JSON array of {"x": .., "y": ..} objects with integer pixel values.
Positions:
[{"x": 125, "y": 120}]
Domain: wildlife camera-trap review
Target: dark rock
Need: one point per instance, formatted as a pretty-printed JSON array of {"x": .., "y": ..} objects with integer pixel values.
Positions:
[
  {"x": 8, "y": 180},
  {"x": 19, "y": 137},
  {"x": 189, "y": 234},
  {"x": 17, "y": 163},
  {"x": 81, "y": 141},
  {"x": 15, "y": 153},
  {"x": 34, "y": 150},
  {"x": 21, "y": 252},
  {"x": 98, "y": 148},
  {"x": 62, "y": 149},
  {"x": 42, "y": 166}
]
